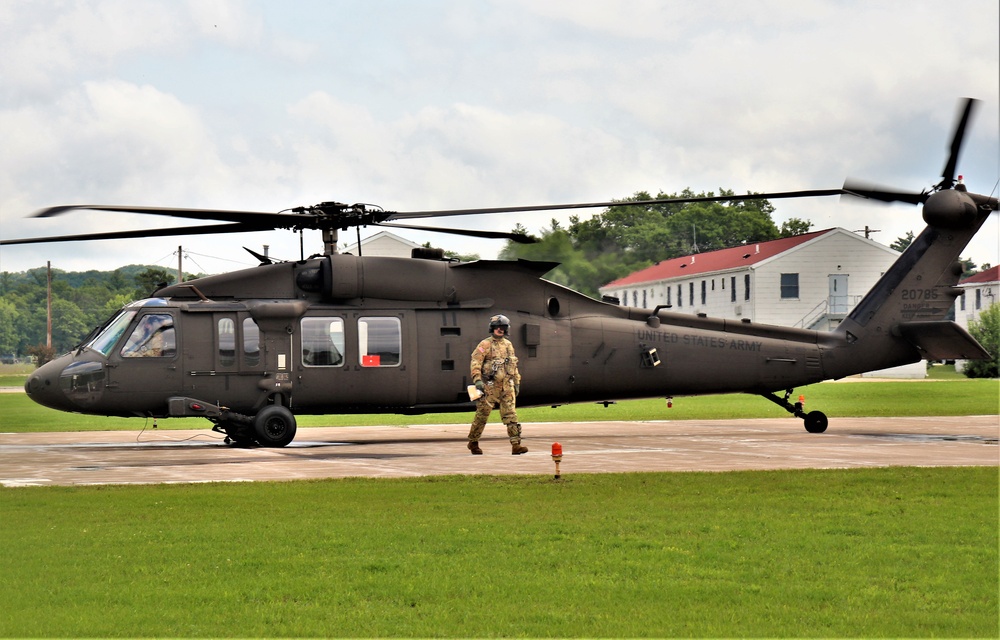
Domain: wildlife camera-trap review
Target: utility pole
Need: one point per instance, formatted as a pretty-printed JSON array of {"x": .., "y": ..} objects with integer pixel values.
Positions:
[
  {"x": 48, "y": 304},
  {"x": 868, "y": 231}
]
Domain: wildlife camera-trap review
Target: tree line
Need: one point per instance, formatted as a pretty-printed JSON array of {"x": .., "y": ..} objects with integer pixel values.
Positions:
[
  {"x": 80, "y": 302},
  {"x": 621, "y": 240},
  {"x": 626, "y": 238}
]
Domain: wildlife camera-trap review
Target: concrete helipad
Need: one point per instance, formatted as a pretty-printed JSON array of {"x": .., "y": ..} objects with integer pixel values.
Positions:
[{"x": 124, "y": 457}]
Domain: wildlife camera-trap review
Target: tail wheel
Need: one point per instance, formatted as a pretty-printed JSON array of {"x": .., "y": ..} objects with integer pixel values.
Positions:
[
  {"x": 274, "y": 426},
  {"x": 815, "y": 422}
]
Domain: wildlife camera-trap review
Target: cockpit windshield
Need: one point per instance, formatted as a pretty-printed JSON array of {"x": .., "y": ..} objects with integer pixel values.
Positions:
[{"x": 108, "y": 337}]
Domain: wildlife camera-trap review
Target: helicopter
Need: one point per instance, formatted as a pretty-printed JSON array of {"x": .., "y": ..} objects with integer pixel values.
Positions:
[{"x": 343, "y": 333}]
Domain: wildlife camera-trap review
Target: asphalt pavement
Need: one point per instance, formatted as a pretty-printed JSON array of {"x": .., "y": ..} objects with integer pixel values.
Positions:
[{"x": 169, "y": 456}]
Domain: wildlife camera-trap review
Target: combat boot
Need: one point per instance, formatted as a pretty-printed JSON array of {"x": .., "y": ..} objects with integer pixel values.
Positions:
[
  {"x": 517, "y": 449},
  {"x": 474, "y": 448}
]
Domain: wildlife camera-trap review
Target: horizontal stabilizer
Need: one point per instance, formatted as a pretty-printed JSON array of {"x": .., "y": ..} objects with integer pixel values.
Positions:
[{"x": 941, "y": 340}]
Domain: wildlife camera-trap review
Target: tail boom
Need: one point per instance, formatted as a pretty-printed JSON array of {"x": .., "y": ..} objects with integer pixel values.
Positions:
[{"x": 903, "y": 318}]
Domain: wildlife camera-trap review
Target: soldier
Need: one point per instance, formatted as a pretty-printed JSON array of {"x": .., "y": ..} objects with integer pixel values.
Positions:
[{"x": 495, "y": 374}]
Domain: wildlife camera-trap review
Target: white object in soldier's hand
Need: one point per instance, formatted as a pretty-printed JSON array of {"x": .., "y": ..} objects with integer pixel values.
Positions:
[{"x": 474, "y": 393}]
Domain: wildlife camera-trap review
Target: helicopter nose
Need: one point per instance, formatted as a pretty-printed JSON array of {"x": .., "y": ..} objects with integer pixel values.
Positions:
[{"x": 65, "y": 384}]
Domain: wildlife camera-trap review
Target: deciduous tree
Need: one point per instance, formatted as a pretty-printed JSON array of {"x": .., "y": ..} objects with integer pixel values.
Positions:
[{"x": 986, "y": 329}]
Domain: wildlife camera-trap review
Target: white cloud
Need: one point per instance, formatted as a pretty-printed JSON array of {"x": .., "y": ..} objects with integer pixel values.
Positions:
[{"x": 269, "y": 105}]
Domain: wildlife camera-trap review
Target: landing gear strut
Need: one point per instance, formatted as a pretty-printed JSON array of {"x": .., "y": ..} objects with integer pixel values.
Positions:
[{"x": 815, "y": 421}]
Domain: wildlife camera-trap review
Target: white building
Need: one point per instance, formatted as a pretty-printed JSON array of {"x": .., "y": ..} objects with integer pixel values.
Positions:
[
  {"x": 384, "y": 244},
  {"x": 810, "y": 281},
  {"x": 980, "y": 293}
]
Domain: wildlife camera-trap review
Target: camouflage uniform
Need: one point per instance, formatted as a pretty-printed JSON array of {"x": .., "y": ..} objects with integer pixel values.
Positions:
[{"x": 494, "y": 362}]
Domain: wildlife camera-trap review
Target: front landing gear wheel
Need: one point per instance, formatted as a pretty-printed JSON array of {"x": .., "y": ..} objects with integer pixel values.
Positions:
[
  {"x": 274, "y": 426},
  {"x": 815, "y": 422}
]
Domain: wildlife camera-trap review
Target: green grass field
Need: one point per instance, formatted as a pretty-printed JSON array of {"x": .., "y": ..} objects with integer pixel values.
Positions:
[{"x": 872, "y": 552}]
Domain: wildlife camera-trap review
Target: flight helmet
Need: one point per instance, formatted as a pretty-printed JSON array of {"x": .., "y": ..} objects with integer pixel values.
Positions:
[{"x": 500, "y": 321}]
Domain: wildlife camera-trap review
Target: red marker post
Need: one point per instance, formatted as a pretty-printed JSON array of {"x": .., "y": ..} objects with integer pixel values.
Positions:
[{"x": 557, "y": 456}]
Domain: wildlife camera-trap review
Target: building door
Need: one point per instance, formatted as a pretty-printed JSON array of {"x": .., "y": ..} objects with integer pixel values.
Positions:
[{"x": 838, "y": 293}]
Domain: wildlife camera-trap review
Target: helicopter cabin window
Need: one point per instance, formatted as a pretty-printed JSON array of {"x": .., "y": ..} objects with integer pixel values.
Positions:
[
  {"x": 153, "y": 337},
  {"x": 789, "y": 286},
  {"x": 251, "y": 343},
  {"x": 227, "y": 342},
  {"x": 323, "y": 342},
  {"x": 379, "y": 342}
]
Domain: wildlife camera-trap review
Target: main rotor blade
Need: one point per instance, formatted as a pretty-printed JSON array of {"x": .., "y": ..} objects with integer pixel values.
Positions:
[
  {"x": 871, "y": 191},
  {"x": 398, "y": 215},
  {"x": 333, "y": 215},
  {"x": 146, "y": 233},
  {"x": 948, "y": 173},
  {"x": 272, "y": 220},
  {"x": 520, "y": 238}
]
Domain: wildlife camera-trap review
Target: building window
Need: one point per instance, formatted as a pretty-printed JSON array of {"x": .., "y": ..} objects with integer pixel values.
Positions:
[
  {"x": 669, "y": 290},
  {"x": 789, "y": 286},
  {"x": 732, "y": 289},
  {"x": 979, "y": 299},
  {"x": 746, "y": 287},
  {"x": 962, "y": 298},
  {"x": 680, "y": 296},
  {"x": 691, "y": 293},
  {"x": 704, "y": 292}
]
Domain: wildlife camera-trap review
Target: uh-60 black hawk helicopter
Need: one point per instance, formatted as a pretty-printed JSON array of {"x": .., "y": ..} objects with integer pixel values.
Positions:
[{"x": 340, "y": 333}]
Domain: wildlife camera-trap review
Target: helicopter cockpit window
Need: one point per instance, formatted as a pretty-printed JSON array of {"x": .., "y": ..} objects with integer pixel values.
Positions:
[
  {"x": 153, "y": 338},
  {"x": 323, "y": 342},
  {"x": 106, "y": 340},
  {"x": 379, "y": 342}
]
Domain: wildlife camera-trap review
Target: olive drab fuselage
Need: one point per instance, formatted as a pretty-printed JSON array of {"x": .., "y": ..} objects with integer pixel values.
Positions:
[{"x": 350, "y": 334}]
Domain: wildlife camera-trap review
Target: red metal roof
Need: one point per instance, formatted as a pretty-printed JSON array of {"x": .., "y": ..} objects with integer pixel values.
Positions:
[
  {"x": 711, "y": 261},
  {"x": 990, "y": 275}
]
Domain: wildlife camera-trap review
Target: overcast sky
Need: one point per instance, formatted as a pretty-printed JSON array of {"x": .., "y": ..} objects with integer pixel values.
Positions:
[{"x": 417, "y": 104}]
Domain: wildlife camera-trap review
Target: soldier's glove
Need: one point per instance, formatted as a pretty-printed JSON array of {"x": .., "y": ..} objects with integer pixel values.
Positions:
[
  {"x": 480, "y": 385},
  {"x": 517, "y": 389}
]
